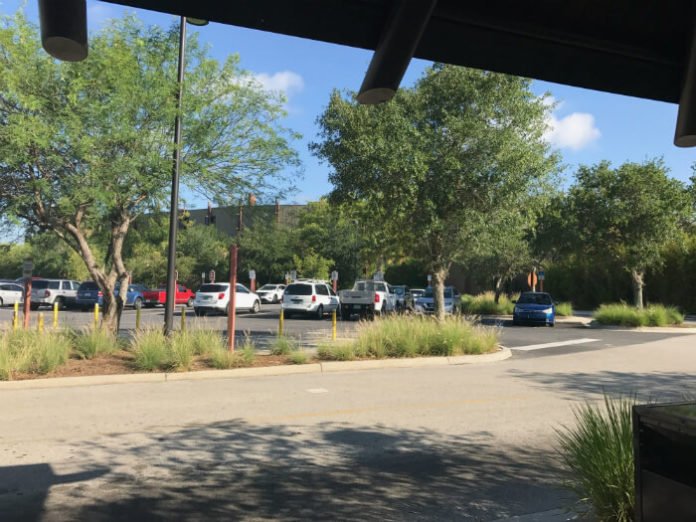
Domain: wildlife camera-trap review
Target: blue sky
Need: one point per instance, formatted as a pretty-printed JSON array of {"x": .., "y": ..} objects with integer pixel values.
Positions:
[{"x": 587, "y": 126}]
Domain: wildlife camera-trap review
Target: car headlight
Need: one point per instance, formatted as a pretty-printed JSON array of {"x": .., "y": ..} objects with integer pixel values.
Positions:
[{"x": 547, "y": 310}]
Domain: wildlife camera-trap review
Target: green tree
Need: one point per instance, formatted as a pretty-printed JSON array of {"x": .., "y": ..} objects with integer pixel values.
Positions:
[
  {"x": 86, "y": 148},
  {"x": 267, "y": 247},
  {"x": 311, "y": 265},
  {"x": 627, "y": 215},
  {"x": 457, "y": 147}
]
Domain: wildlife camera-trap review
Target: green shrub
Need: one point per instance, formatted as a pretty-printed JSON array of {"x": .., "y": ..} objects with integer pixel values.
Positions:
[
  {"x": 408, "y": 336},
  {"x": 244, "y": 355},
  {"x": 624, "y": 315},
  {"x": 90, "y": 342},
  {"x": 298, "y": 357},
  {"x": 283, "y": 345},
  {"x": 484, "y": 304},
  {"x": 151, "y": 350},
  {"x": 564, "y": 309},
  {"x": 32, "y": 352},
  {"x": 599, "y": 454}
]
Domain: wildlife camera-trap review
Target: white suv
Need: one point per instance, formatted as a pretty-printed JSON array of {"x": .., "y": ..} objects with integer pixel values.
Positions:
[
  {"x": 309, "y": 298},
  {"x": 45, "y": 292},
  {"x": 271, "y": 293},
  {"x": 215, "y": 297}
]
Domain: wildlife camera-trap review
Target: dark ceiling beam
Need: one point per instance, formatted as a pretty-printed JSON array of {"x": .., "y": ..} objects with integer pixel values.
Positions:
[{"x": 400, "y": 37}]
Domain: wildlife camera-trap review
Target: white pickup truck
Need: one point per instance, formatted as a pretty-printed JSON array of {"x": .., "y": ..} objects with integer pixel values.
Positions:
[{"x": 367, "y": 299}]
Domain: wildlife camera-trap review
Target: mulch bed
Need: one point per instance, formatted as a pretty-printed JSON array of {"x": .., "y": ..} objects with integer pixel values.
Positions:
[{"x": 122, "y": 362}]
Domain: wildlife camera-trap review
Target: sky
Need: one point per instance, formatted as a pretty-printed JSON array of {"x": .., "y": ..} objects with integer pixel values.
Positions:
[{"x": 586, "y": 126}]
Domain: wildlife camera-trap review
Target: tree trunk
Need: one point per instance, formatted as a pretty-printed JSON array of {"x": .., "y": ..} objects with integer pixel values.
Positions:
[
  {"x": 638, "y": 280},
  {"x": 439, "y": 276},
  {"x": 498, "y": 288}
]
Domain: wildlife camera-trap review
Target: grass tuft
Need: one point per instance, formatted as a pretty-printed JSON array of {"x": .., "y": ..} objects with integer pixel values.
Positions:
[
  {"x": 32, "y": 352},
  {"x": 408, "y": 336},
  {"x": 564, "y": 309},
  {"x": 598, "y": 451},
  {"x": 298, "y": 357},
  {"x": 90, "y": 342},
  {"x": 484, "y": 304},
  {"x": 151, "y": 351},
  {"x": 243, "y": 356},
  {"x": 624, "y": 315},
  {"x": 283, "y": 346}
]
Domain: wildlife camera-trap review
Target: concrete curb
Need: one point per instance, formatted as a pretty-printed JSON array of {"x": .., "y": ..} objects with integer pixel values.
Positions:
[
  {"x": 261, "y": 371},
  {"x": 644, "y": 329}
]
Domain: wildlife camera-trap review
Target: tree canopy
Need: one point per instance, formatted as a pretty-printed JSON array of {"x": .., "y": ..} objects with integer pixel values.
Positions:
[
  {"x": 440, "y": 159},
  {"x": 86, "y": 148}
]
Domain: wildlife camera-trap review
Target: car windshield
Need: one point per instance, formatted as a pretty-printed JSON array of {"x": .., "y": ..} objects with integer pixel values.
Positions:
[
  {"x": 212, "y": 288},
  {"x": 299, "y": 290},
  {"x": 88, "y": 285},
  {"x": 531, "y": 298},
  {"x": 40, "y": 285},
  {"x": 268, "y": 287}
]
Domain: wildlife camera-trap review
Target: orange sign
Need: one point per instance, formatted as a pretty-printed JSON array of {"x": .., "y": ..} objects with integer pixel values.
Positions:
[{"x": 532, "y": 279}]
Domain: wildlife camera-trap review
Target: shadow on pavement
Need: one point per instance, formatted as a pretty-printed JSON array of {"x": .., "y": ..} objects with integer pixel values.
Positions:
[
  {"x": 234, "y": 470},
  {"x": 661, "y": 386},
  {"x": 23, "y": 489}
]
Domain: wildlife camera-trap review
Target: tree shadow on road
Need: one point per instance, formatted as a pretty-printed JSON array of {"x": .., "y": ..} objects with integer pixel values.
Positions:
[
  {"x": 234, "y": 470},
  {"x": 660, "y": 386}
]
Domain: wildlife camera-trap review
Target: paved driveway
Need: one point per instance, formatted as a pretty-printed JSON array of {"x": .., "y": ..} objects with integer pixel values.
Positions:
[{"x": 446, "y": 443}]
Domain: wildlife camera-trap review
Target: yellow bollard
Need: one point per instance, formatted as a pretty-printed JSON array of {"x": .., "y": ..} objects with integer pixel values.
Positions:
[
  {"x": 96, "y": 315},
  {"x": 280, "y": 323},
  {"x": 333, "y": 325},
  {"x": 137, "y": 318},
  {"x": 40, "y": 326},
  {"x": 55, "y": 316},
  {"x": 183, "y": 318},
  {"x": 15, "y": 316}
]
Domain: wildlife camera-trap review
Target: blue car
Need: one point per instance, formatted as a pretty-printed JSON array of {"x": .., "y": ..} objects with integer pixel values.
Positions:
[
  {"x": 534, "y": 308},
  {"x": 89, "y": 294}
]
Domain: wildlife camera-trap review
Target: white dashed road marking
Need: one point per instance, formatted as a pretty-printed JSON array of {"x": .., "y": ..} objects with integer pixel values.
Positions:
[
  {"x": 318, "y": 390},
  {"x": 571, "y": 342}
]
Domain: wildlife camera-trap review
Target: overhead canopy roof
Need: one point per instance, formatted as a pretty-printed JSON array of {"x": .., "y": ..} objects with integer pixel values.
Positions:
[{"x": 633, "y": 47}]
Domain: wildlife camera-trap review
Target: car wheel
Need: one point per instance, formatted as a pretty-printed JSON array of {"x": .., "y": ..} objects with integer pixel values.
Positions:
[
  {"x": 552, "y": 324},
  {"x": 255, "y": 309},
  {"x": 320, "y": 312},
  {"x": 189, "y": 303},
  {"x": 138, "y": 303},
  {"x": 33, "y": 306},
  {"x": 227, "y": 309},
  {"x": 60, "y": 302}
]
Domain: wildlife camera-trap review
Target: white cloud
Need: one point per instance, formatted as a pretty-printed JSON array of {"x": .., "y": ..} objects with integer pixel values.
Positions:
[
  {"x": 286, "y": 82},
  {"x": 574, "y": 131}
]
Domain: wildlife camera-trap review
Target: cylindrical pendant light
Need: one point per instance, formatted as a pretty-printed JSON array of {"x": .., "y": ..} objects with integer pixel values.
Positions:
[{"x": 64, "y": 28}]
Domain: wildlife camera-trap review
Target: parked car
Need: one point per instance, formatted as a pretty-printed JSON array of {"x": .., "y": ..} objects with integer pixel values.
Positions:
[
  {"x": 46, "y": 292},
  {"x": 404, "y": 301},
  {"x": 183, "y": 295},
  {"x": 309, "y": 297},
  {"x": 426, "y": 303},
  {"x": 89, "y": 294},
  {"x": 271, "y": 293},
  {"x": 215, "y": 297},
  {"x": 368, "y": 298},
  {"x": 11, "y": 293},
  {"x": 534, "y": 308},
  {"x": 416, "y": 293}
]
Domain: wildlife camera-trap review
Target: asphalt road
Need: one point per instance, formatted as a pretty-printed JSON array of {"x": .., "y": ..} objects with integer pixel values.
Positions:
[{"x": 447, "y": 443}]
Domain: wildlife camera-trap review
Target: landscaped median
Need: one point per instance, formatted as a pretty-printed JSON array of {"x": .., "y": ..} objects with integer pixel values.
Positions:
[
  {"x": 484, "y": 304},
  {"x": 389, "y": 342}
]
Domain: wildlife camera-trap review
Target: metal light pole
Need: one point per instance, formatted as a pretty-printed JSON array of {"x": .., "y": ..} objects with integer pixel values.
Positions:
[{"x": 174, "y": 203}]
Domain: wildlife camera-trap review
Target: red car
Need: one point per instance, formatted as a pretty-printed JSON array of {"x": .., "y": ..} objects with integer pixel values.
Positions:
[{"x": 159, "y": 296}]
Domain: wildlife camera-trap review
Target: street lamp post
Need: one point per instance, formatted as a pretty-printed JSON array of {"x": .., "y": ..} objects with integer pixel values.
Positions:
[{"x": 174, "y": 203}]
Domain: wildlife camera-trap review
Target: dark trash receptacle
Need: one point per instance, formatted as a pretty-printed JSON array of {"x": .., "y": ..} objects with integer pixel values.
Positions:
[{"x": 664, "y": 444}]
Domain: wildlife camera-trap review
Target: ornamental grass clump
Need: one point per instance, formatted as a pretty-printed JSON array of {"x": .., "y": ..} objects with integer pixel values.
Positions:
[
  {"x": 564, "y": 309},
  {"x": 283, "y": 345},
  {"x": 484, "y": 304},
  {"x": 598, "y": 452},
  {"x": 622, "y": 314},
  {"x": 181, "y": 350},
  {"x": 407, "y": 336},
  {"x": 150, "y": 350},
  {"x": 28, "y": 351},
  {"x": 89, "y": 342},
  {"x": 245, "y": 355}
]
